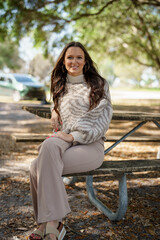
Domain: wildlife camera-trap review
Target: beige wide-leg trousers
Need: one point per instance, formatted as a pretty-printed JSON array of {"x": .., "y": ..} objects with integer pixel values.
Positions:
[{"x": 57, "y": 157}]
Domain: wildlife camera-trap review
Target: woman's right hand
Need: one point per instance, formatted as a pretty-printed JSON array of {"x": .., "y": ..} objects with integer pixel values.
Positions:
[{"x": 54, "y": 120}]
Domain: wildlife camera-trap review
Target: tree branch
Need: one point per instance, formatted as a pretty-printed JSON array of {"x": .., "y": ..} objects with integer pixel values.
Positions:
[
  {"x": 142, "y": 46},
  {"x": 94, "y": 14},
  {"x": 154, "y": 55},
  {"x": 139, "y": 61},
  {"x": 149, "y": 2},
  {"x": 74, "y": 18}
]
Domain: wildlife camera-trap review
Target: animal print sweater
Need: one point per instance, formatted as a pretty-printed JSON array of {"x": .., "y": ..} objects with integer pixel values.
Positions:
[{"x": 85, "y": 126}]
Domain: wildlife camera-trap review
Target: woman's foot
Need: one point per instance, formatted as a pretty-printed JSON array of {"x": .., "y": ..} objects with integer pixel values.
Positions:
[
  {"x": 39, "y": 233},
  {"x": 51, "y": 224},
  {"x": 54, "y": 231},
  {"x": 42, "y": 227}
]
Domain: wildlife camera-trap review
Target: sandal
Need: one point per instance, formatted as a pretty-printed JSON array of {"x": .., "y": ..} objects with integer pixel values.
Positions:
[
  {"x": 60, "y": 232},
  {"x": 36, "y": 235}
]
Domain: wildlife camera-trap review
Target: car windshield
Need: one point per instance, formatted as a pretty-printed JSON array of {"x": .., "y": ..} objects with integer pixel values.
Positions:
[{"x": 23, "y": 79}]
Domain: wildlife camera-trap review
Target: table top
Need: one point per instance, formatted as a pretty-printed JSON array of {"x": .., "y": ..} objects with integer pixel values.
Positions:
[{"x": 44, "y": 111}]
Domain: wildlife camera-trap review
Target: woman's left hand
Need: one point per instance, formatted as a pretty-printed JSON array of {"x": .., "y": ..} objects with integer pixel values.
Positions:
[{"x": 64, "y": 136}]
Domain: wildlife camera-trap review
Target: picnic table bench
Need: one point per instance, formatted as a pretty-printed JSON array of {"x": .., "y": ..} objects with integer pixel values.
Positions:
[{"x": 118, "y": 168}]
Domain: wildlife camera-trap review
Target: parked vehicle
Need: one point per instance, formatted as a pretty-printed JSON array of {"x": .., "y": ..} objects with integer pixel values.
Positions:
[{"x": 20, "y": 86}]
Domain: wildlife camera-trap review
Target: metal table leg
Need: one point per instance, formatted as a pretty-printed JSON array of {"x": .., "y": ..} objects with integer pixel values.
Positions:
[
  {"x": 157, "y": 124},
  {"x": 124, "y": 137},
  {"x": 123, "y": 199}
]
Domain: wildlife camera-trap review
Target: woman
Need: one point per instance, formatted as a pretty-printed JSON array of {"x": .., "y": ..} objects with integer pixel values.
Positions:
[{"x": 80, "y": 116}]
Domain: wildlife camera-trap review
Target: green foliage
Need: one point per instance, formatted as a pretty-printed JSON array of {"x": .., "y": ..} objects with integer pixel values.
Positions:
[
  {"x": 128, "y": 75},
  {"x": 106, "y": 68},
  {"x": 126, "y": 30},
  {"x": 39, "y": 17},
  {"x": 9, "y": 56},
  {"x": 123, "y": 31}
]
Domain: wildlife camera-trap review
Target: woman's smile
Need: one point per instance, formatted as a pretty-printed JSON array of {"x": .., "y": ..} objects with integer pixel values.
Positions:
[{"x": 74, "y": 61}]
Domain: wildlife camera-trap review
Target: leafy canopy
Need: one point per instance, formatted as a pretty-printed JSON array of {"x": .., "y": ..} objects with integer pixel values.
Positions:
[
  {"x": 123, "y": 29},
  {"x": 9, "y": 56}
]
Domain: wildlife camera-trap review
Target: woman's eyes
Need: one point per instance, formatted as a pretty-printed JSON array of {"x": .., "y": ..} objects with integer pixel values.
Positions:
[{"x": 73, "y": 57}]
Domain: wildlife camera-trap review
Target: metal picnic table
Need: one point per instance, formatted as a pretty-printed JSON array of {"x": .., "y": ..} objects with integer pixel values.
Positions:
[{"x": 141, "y": 118}]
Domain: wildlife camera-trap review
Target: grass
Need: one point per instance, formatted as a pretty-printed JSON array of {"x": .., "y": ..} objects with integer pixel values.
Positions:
[
  {"x": 146, "y": 89},
  {"x": 137, "y": 102},
  {"x": 136, "y": 89}
]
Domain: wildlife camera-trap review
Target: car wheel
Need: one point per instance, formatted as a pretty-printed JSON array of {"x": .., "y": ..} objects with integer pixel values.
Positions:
[{"x": 16, "y": 96}]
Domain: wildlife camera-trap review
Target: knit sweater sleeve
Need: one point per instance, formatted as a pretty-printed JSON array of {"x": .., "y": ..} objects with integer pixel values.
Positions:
[{"x": 93, "y": 125}]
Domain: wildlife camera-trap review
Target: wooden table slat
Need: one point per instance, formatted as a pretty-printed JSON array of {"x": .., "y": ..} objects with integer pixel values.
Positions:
[
  {"x": 117, "y": 115},
  {"x": 125, "y": 166}
]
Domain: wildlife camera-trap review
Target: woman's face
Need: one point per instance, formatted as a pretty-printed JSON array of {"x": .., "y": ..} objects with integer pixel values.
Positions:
[{"x": 74, "y": 61}]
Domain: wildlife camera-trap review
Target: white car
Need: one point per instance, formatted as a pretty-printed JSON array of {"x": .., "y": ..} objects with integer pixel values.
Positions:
[{"x": 21, "y": 86}]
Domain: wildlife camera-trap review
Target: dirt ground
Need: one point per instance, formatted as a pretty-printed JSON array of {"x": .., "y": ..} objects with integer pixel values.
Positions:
[{"x": 142, "y": 220}]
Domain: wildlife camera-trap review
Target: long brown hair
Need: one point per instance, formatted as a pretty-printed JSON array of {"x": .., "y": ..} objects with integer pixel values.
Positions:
[{"x": 91, "y": 75}]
